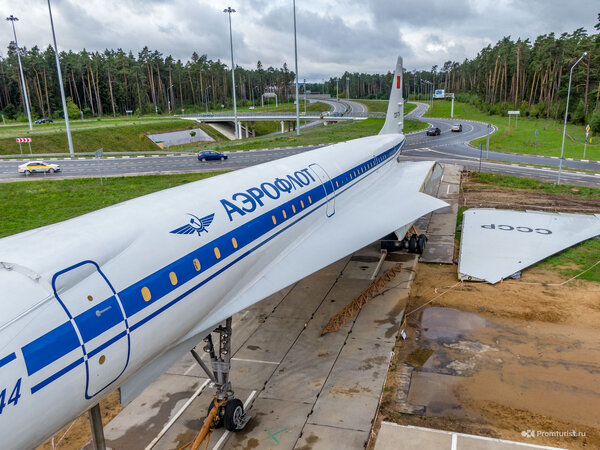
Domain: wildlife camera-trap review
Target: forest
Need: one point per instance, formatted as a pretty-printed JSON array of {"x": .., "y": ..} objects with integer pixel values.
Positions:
[{"x": 512, "y": 74}]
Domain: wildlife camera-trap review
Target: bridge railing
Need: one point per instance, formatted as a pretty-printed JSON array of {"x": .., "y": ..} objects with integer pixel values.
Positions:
[{"x": 312, "y": 115}]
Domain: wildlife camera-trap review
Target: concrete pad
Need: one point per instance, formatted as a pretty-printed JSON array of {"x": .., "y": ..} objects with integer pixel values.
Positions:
[
  {"x": 272, "y": 340},
  {"x": 189, "y": 423},
  {"x": 403, "y": 437},
  {"x": 347, "y": 400},
  {"x": 435, "y": 391},
  {"x": 439, "y": 249},
  {"x": 469, "y": 442},
  {"x": 443, "y": 224},
  {"x": 381, "y": 318},
  {"x": 304, "y": 370},
  {"x": 317, "y": 437},
  {"x": 451, "y": 174},
  {"x": 143, "y": 419},
  {"x": 250, "y": 374},
  {"x": 361, "y": 269},
  {"x": 275, "y": 424},
  {"x": 306, "y": 296},
  {"x": 338, "y": 297},
  {"x": 400, "y": 437},
  {"x": 448, "y": 191}
]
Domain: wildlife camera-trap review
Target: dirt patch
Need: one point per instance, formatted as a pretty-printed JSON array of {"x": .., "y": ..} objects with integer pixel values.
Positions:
[
  {"x": 500, "y": 360},
  {"x": 481, "y": 195},
  {"x": 79, "y": 432}
]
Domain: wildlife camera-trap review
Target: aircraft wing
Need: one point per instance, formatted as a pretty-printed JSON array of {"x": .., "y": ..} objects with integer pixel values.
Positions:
[
  {"x": 497, "y": 243},
  {"x": 384, "y": 207}
]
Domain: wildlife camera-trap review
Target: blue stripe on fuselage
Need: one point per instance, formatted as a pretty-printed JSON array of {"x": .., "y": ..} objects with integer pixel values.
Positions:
[
  {"x": 50, "y": 347},
  {"x": 4, "y": 361},
  {"x": 46, "y": 349}
]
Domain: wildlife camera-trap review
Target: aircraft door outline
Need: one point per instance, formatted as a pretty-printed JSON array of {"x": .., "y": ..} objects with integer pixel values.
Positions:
[
  {"x": 97, "y": 315},
  {"x": 327, "y": 184}
]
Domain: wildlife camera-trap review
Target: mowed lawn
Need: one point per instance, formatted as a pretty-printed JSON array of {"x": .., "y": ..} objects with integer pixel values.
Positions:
[
  {"x": 520, "y": 137},
  {"x": 382, "y": 105},
  {"x": 116, "y": 136},
  {"x": 58, "y": 200}
]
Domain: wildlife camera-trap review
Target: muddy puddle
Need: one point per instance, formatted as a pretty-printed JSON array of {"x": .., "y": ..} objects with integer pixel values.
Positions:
[{"x": 468, "y": 367}]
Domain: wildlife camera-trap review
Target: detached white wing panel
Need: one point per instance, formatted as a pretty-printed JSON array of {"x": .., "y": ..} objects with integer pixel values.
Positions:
[{"x": 497, "y": 243}]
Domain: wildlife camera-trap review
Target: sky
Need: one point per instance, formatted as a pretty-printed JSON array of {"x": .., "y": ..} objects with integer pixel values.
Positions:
[{"x": 334, "y": 36}]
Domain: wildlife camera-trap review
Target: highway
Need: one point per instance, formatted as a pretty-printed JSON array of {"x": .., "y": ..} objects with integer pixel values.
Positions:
[{"x": 449, "y": 147}]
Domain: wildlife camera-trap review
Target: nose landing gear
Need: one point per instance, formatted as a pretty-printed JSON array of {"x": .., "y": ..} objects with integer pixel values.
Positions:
[{"x": 224, "y": 409}]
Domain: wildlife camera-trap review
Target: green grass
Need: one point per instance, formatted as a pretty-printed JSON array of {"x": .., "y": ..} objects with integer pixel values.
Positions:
[
  {"x": 508, "y": 181},
  {"x": 382, "y": 105},
  {"x": 114, "y": 137},
  {"x": 521, "y": 139},
  {"x": 58, "y": 200},
  {"x": 571, "y": 261}
]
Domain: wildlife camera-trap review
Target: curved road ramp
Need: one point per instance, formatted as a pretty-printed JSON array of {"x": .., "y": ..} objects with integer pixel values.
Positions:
[{"x": 164, "y": 140}]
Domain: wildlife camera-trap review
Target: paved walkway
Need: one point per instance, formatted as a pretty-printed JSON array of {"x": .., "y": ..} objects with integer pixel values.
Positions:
[
  {"x": 302, "y": 389},
  {"x": 441, "y": 224},
  {"x": 401, "y": 437},
  {"x": 180, "y": 137}
]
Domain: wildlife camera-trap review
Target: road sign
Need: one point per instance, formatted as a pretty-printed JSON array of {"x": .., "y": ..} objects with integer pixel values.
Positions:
[
  {"x": 23, "y": 139},
  {"x": 587, "y": 129},
  {"x": 99, "y": 152},
  {"x": 514, "y": 112}
]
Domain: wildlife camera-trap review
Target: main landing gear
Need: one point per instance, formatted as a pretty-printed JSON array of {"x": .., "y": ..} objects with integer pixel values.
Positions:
[
  {"x": 413, "y": 242},
  {"x": 224, "y": 409}
]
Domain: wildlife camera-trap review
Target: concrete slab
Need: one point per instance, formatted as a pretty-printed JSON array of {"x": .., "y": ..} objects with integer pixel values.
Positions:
[
  {"x": 381, "y": 318},
  {"x": 318, "y": 437},
  {"x": 306, "y": 296},
  {"x": 439, "y": 249},
  {"x": 143, "y": 419},
  {"x": 272, "y": 340},
  {"x": 347, "y": 400},
  {"x": 275, "y": 424},
  {"x": 405, "y": 437},
  {"x": 185, "y": 428},
  {"x": 303, "y": 372},
  {"x": 400, "y": 437}
]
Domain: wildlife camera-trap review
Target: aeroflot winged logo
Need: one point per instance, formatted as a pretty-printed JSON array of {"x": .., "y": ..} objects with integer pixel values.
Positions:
[{"x": 196, "y": 225}]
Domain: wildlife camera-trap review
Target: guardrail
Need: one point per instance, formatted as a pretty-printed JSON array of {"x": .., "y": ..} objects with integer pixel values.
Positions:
[{"x": 282, "y": 115}]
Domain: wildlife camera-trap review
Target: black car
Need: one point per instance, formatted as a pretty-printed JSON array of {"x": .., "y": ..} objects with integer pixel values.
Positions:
[
  {"x": 44, "y": 120},
  {"x": 206, "y": 155},
  {"x": 433, "y": 131}
]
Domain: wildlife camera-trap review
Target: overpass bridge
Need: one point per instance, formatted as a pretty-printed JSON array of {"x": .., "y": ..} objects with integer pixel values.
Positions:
[{"x": 284, "y": 118}]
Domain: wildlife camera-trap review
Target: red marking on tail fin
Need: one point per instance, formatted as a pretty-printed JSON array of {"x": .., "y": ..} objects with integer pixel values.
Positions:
[{"x": 398, "y": 81}]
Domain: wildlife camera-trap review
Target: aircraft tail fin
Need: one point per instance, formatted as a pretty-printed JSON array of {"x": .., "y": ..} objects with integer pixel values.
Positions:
[{"x": 394, "y": 120}]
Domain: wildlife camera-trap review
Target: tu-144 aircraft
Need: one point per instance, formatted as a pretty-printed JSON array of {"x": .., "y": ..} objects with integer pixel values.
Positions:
[{"x": 124, "y": 292}]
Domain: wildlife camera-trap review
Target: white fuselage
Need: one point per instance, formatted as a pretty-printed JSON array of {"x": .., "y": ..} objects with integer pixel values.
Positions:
[{"x": 87, "y": 303}]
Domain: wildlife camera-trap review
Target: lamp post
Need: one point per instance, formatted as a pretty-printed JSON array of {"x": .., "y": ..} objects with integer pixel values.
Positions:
[
  {"x": 13, "y": 19},
  {"x": 562, "y": 147},
  {"x": 296, "y": 58},
  {"x": 60, "y": 84},
  {"x": 337, "y": 88},
  {"x": 230, "y": 10}
]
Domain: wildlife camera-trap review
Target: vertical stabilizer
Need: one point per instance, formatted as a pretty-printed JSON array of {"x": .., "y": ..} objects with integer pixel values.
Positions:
[{"x": 394, "y": 120}]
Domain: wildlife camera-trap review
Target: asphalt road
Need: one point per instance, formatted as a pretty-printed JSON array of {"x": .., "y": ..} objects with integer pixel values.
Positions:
[{"x": 449, "y": 147}]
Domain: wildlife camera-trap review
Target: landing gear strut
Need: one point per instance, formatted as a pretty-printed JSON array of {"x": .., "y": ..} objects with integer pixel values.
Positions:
[{"x": 229, "y": 410}]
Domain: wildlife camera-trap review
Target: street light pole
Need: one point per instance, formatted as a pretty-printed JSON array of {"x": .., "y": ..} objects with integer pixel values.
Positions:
[
  {"x": 337, "y": 88},
  {"x": 296, "y": 58},
  {"x": 230, "y": 10},
  {"x": 60, "y": 84},
  {"x": 562, "y": 147},
  {"x": 13, "y": 19}
]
